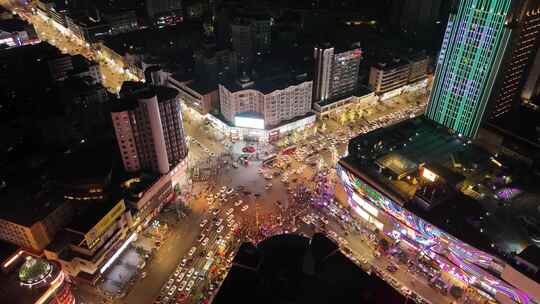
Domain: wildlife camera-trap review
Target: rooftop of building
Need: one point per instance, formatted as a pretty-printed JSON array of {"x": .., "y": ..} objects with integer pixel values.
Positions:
[
  {"x": 522, "y": 124},
  {"x": 12, "y": 290},
  {"x": 12, "y": 25},
  {"x": 139, "y": 90},
  {"x": 295, "y": 269},
  {"x": 268, "y": 84},
  {"x": 29, "y": 204},
  {"x": 202, "y": 87},
  {"x": 90, "y": 162},
  {"x": 463, "y": 189},
  {"x": 89, "y": 214}
]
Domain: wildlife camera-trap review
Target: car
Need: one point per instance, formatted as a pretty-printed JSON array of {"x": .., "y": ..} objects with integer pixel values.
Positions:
[
  {"x": 203, "y": 223},
  {"x": 210, "y": 255},
  {"x": 219, "y": 222},
  {"x": 244, "y": 208},
  {"x": 190, "y": 272},
  {"x": 230, "y": 217},
  {"x": 180, "y": 277},
  {"x": 231, "y": 210},
  {"x": 182, "y": 286},
  {"x": 192, "y": 251},
  {"x": 230, "y": 191},
  {"x": 200, "y": 238},
  {"x": 392, "y": 268},
  {"x": 183, "y": 262},
  {"x": 205, "y": 241},
  {"x": 238, "y": 203},
  {"x": 172, "y": 290},
  {"x": 190, "y": 285},
  {"x": 230, "y": 224},
  {"x": 215, "y": 211},
  {"x": 220, "y": 228}
]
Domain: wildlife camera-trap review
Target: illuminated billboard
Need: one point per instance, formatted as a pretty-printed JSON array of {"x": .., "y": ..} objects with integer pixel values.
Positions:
[{"x": 248, "y": 122}]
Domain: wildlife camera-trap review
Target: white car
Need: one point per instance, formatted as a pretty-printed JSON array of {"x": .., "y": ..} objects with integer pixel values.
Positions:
[
  {"x": 220, "y": 228},
  {"x": 192, "y": 251},
  {"x": 205, "y": 242},
  {"x": 219, "y": 222},
  {"x": 230, "y": 218},
  {"x": 215, "y": 211},
  {"x": 171, "y": 292},
  {"x": 245, "y": 208},
  {"x": 231, "y": 210},
  {"x": 182, "y": 286},
  {"x": 203, "y": 223},
  {"x": 230, "y": 191},
  {"x": 190, "y": 285},
  {"x": 180, "y": 277},
  {"x": 238, "y": 203},
  {"x": 190, "y": 272},
  {"x": 230, "y": 224}
]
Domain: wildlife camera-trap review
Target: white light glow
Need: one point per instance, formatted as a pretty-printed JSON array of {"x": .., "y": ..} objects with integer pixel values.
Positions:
[
  {"x": 248, "y": 122},
  {"x": 429, "y": 175},
  {"x": 365, "y": 205},
  {"x": 117, "y": 253}
]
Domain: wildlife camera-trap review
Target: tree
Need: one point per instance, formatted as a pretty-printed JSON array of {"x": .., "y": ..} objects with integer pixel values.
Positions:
[{"x": 343, "y": 118}]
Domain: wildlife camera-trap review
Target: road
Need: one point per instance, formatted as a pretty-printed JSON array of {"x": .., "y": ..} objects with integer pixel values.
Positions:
[
  {"x": 186, "y": 232},
  {"x": 114, "y": 71}
]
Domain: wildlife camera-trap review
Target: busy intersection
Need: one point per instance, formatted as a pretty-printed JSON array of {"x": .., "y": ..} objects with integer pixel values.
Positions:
[{"x": 263, "y": 190}]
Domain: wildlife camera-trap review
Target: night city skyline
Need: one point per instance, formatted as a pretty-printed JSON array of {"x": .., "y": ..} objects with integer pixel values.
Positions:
[{"x": 311, "y": 151}]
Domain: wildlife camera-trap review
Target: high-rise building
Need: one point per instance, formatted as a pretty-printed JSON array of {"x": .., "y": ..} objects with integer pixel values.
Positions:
[
  {"x": 155, "y": 7},
  {"x": 478, "y": 41},
  {"x": 531, "y": 89},
  {"x": 525, "y": 39},
  {"x": 345, "y": 72},
  {"x": 336, "y": 73},
  {"x": 324, "y": 57},
  {"x": 251, "y": 36},
  {"x": 149, "y": 129}
]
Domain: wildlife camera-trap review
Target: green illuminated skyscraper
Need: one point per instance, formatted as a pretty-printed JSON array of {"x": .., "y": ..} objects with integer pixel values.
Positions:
[{"x": 473, "y": 57}]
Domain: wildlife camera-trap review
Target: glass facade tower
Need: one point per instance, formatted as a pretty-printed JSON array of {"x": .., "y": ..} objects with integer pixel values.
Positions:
[{"x": 474, "y": 46}]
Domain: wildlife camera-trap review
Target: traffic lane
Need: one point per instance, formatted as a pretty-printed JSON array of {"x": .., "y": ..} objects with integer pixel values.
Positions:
[{"x": 164, "y": 261}]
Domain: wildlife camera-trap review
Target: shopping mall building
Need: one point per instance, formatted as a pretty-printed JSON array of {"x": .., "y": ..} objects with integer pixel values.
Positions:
[
  {"x": 264, "y": 109},
  {"x": 414, "y": 183}
]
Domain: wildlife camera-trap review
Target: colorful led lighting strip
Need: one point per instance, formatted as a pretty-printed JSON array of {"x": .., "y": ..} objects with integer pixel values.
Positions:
[
  {"x": 474, "y": 45},
  {"x": 460, "y": 254}
]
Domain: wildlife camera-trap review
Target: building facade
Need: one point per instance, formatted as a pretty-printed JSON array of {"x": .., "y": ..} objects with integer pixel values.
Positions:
[
  {"x": 525, "y": 40},
  {"x": 149, "y": 129},
  {"x": 336, "y": 74},
  {"x": 471, "y": 63},
  {"x": 344, "y": 79},
  {"x": 273, "y": 106},
  {"x": 251, "y": 36},
  {"x": 395, "y": 74},
  {"x": 324, "y": 57}
]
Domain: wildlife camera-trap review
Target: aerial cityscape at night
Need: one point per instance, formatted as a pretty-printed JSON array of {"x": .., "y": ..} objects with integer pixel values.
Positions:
[{"x": 256, "y": 151}]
